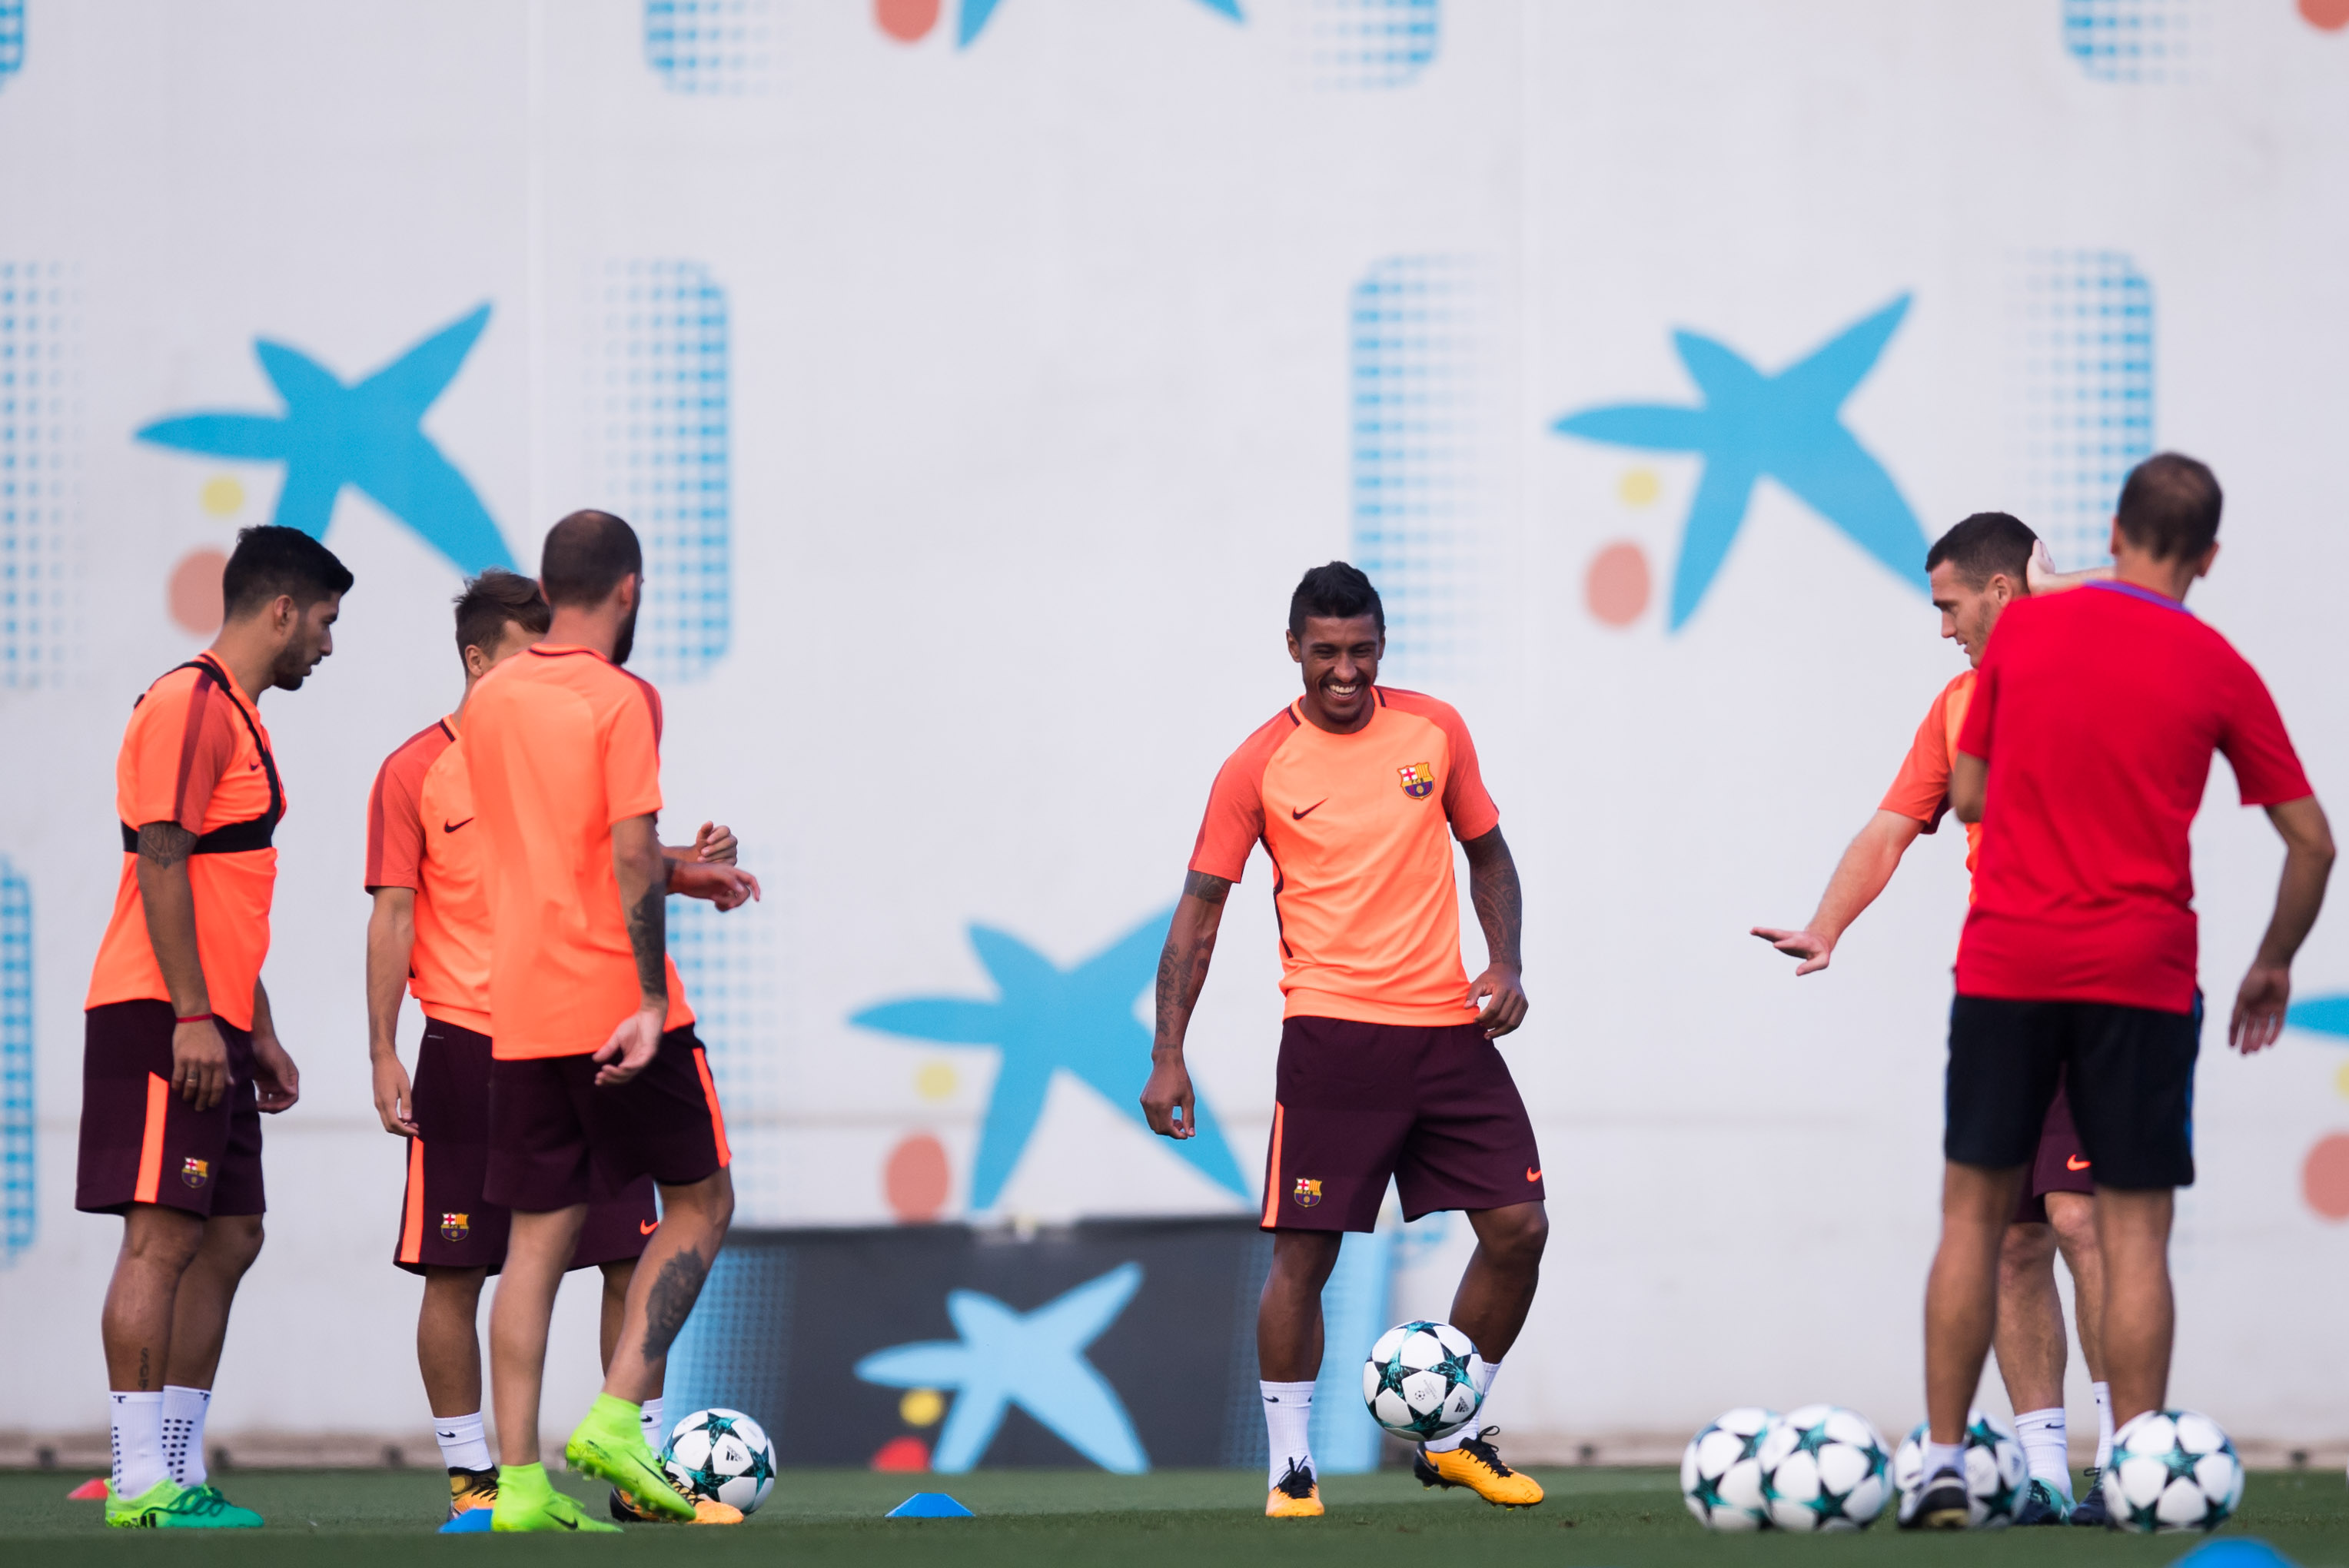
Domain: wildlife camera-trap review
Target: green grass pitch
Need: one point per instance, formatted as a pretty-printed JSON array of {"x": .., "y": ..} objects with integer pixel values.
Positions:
[{"x": 1034, "y": 1519}]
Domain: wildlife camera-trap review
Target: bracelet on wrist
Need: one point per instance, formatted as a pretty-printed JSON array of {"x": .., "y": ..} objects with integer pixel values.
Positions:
[{"x": 196, "y": 1019}]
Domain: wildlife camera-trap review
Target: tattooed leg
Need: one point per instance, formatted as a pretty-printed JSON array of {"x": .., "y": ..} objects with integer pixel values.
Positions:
[{"x": 669, "y": 1281}]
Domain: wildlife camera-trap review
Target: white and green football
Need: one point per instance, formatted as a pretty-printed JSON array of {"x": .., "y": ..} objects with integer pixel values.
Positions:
[
  {"x": 1825, "y": 1468},
  {"x": 1721, "y": 1470},
  {"x": 1420, "y": 1381},
  {"x": 722, "y": 1455},
  {"x": 2172, "y": 1470},
  {"x": 1996, "y": 1474}
]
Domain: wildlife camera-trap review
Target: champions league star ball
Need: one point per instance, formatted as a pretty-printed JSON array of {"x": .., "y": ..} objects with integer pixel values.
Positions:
[
  {"x": 1721, "y": 1470},
  {"x": 2172, "y": 1470},
  {"x": 722, "y": 1455},
  {"x": 1996, "y": 1474},
  {"x": 1420, "y": 1381},
  {"x": 1824, "y": 1468}
]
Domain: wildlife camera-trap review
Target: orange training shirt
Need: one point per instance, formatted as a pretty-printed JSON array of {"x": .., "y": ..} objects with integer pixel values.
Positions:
[
  {"x": 1921, "y": 788},
  {"x": 195, "y": 753},
  {"x": 1355, "y": 827},
  {"x": 420, "y": 835},
  {"x": 561, "y": 744}
]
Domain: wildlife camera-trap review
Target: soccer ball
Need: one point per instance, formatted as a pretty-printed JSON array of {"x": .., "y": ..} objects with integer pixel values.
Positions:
[
  {"x": 1420, "y": 1381},
  {"x": 722, "y": 1455},
  {"x": 1721, "y": 1470},
  {"x": 2172, "y": 1470},
  {"x": 1824, "y": 1468},
  {"x": 1996, "y": 1475}
]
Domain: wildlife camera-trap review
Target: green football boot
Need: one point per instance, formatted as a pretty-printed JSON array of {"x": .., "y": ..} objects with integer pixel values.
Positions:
[
  {"x": 167, "y": 1505},
  {"x": 610, "y": 1446},
  {"x": 527, "y": 1500}
]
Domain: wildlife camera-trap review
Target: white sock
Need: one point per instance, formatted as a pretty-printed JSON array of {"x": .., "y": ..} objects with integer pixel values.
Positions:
[
  {"x": 1939, "y": 1457},
  {"x": 1485, "y": 1372},
  {"x": 648, "y": 1416},
  {"x": 138, "y": 1422},
  {"x": 462, "y": 1445},
  {"x": 2044, "y": 1447},
  {"x": 184, "y": 1433},
  {"x": 2104, "y": 1392},
  {"x": 1287, "y": 1412}
]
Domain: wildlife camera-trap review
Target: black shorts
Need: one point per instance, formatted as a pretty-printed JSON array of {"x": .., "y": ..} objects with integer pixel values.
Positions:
[
  {"x": 557, "y": 1140},
  {"x": 142, "y": 1142},
  {"x": 2060, "y": 1166},
  {"x": 2129, "y": 1071},
  {"x": 444, "y": 1220},
  {"x": 1431, "y": 1107}
]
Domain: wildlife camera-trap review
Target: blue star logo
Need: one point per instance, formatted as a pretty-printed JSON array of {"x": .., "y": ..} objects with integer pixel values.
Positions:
[
  {"x": 1035, "y": 1360},
  {"x": 367, "y": 435},
  {"x": 1045, "y": 1020},
  {"x": 1788, "y": 427},
  {"x": 975, "y": 14}
]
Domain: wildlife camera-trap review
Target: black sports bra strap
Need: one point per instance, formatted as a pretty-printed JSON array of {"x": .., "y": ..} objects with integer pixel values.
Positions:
[{"x": 234, "y": 838}]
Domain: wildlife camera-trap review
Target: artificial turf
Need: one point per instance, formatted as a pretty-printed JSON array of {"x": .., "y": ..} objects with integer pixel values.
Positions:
[{"x": 1593, "y": 1519}]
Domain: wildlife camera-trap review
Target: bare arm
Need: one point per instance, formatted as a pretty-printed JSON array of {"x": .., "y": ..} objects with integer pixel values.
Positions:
[
  {"x": 1499, "y": 902},
  {"x": 2300, "y": 894},
  {"x": 1867, "y": 864},
  {"x": 1167, "y": 1099},
  {"x": 643, "y": 873},
  {"x": 2043, "y": 577},
  {"x": 390, "y": 944},
  {"x": 276, "y": 1081},
  {"x": 1969, "y": 786},
  {"x": 199, "y": 1051}
]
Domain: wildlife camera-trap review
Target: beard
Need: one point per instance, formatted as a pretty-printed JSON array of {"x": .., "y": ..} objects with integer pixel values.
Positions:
[{"x": 623, "y": 645}]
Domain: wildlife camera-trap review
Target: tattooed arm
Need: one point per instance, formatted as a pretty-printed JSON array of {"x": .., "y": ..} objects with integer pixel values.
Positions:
[
  {"x": 643, "y": 876},
  {"x": 1500, "y": 910},
  {"x": 1182, "y": 971},
  {"x": 199, "y": 1053}
]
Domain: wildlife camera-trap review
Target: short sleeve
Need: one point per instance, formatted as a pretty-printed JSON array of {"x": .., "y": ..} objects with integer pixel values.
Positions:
[
  {"x": 631, "y": 759},
  {"x": 2252, "y": 738},
  {"x": 1921, "y": 790},
  {"x": 1465, "y": 801},
  {"x": 180, "y": 742},
  {"x": 395, "y": 824},
  {"x": 1235, "y": 818}
]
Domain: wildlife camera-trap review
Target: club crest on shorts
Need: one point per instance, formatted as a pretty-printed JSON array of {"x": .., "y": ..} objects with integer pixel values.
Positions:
[
  {"x": 1307, "y": 1192},
  {"x": 453, "y": 1227},
  {"x": 196, "y": 1173},
  {"x": 1418, "y": 779}
]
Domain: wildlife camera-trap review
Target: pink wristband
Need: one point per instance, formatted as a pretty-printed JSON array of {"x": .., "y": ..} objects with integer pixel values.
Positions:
[{"x": 195, "y": 1018}]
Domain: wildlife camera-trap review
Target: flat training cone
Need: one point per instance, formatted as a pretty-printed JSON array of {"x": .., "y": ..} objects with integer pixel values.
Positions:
[
  {"x": 929, "y": 1505},
  {"x": 94, "y": 1490},
  {"x": 473, "y": 1522}
]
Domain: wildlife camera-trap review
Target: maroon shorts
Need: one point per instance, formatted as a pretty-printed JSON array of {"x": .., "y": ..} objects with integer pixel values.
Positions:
[
  {"x": 2060, "y": 1166},
  {"x": 444, "y": 1221},
  {"x": 142, "y": 1142},
  {"x": 556, "y": 1139},
  {"x": 1355, "y": 1104}
]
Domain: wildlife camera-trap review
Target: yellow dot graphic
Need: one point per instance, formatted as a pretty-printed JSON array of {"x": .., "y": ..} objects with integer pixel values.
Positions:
[
  {"x": 2341, "y": 1081},
  {"x": 1640, "y": 486},
  {"x": 921, "y": 1406},
  {"x": 936, "y": 1080},
  {"x": 223, "y": 496}
]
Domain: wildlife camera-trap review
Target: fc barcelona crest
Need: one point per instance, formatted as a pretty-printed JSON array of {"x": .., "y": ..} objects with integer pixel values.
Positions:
[
  {"x": 196, "y": 1173},
  {"x": 453, "y": 1227},
  {"x": 1418, "y": 779},
  {"x": 1308, "y": 1191}
]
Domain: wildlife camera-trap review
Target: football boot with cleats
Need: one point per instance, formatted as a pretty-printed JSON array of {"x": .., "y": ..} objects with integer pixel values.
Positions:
[
  {"x": 1477, "y": 1466},
  {"x": 1296, "y": 1496}
]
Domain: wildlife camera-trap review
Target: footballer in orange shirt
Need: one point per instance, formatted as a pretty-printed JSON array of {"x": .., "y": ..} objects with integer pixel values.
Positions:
[
  {"x": 595, "y": 1077},
  {"x": 1975, "y": 570},
  {"x": 1387, "y": 1067},
  {"x": 180, "y": 1059}
]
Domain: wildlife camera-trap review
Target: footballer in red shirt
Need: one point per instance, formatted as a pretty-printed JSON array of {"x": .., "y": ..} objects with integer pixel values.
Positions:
[{"x": 2083, "y": 755}]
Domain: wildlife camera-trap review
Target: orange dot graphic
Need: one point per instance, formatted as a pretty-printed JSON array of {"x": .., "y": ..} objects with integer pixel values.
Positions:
[
  {"x": 914, "y": 1180},
  {"x": 2329, "y": 15},
  {"x": 1617, "y": 586},
  {"x": 903, "y": 1454},
  {"x": 194, "y": 594},
  {"x": 2324, "y": 1177},
  {"x": 906, "y": 20}
]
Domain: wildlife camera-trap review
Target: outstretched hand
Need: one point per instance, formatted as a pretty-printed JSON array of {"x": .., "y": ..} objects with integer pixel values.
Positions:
[{"x": 1813, "y": 949}]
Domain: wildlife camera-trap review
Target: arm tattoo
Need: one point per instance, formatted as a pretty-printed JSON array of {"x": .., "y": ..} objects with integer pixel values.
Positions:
[
  {"x": 1492, "y": 889},
  {"x": 1205, "y": 888},
  {"x": 648, "y": 937},
  {"x": 1183, "y": 965},
  {"x": 670, "y": 1301},
  {"x": 165, "y": 843}
]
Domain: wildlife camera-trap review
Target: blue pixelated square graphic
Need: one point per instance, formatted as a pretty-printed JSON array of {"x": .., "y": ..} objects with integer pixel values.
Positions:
[
  {"x": 2088, "y": 406},
  {"x": 1370, "y": 43},
  {"x": 12, "y": 38},
  {"x": 1415, "y": 368},
  {"x": 729, "y": 963},
  {"x": 37, "y": 480},
  {"x": 19, "y": 1208},
  {"x": 710, "y": 46},
  {"x": 663, "y": 412},
  {"x": 2132, "y": 40}
]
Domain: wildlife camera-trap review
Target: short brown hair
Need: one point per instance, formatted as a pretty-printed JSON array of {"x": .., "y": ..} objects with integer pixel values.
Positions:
[
  {"x": 1985, "y": 545},
  {"x": 2170, "y": 507},
  {"x": 494, "y": 599},
  {"x": 585, "y": 556}
]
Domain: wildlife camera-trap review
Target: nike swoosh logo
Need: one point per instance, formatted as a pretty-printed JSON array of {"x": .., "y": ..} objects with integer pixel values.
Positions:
[
  {"x": 567, "y": 1524},
  {"x": 2073, "y": 1163},
  {"x": 644, "y": 1230},
  {"x": 1532, "y": 1174},
  {"x": 1301, "y": 816},
  {"x": 445, "y": 1436},
  {"x": 449, "y": 827}
]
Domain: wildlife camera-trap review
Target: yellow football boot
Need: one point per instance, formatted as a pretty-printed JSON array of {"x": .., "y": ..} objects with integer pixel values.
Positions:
[
  {"x": 1477, "y": 1466},
  {"x": 706, "y": 1511},
  {"x": 1296, "y": 1496},
  {"x": 471, "y": 1489}
]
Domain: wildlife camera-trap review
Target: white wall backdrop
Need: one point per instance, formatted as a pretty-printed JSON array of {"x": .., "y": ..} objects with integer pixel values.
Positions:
[{"x": 982, "y": 377}]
